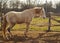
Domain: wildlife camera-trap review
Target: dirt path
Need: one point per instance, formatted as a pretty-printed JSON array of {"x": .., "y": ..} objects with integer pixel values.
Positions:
[{"x": 33, "y": 37}]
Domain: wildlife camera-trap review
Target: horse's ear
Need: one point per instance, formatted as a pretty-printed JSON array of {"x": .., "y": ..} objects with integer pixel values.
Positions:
[{"x": 37, "y": 10}]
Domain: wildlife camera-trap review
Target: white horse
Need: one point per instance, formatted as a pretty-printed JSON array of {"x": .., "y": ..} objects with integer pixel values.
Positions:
[{"x": 25, "y": 16}]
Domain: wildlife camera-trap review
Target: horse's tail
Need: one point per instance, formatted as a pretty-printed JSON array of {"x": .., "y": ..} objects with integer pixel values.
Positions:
[{"x": 4, "y": 23}]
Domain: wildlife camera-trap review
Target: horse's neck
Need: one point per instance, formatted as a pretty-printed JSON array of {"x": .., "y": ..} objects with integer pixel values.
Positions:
[
  {"x": 32, "y": 12},
  {"x": 29, "y": 11}
]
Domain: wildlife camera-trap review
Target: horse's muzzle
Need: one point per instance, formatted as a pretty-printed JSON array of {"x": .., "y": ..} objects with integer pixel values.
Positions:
[
  {"x": 36, "y": 16},
  {"x": 44, "y": 17}
]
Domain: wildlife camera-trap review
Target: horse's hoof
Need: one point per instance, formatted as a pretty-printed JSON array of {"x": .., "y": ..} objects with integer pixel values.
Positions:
[
  {"x": 25, "y": 35},
  {"x": 11, "y": 37},
  {"x": 7, "y": 38}
]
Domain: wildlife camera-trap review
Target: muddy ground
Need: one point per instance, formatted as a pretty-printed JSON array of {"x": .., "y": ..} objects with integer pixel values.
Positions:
[{"x": 32, "y": 37}]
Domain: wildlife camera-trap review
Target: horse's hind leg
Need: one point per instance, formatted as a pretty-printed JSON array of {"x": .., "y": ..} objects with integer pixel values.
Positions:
[
  {"x": 10, "y": 27},
  {"x": 4, "y": 30},
  {"x": 27, "y": 27}
]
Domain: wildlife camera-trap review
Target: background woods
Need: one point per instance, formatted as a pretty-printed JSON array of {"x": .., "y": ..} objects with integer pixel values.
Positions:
[{"x": 18, "y": 5}]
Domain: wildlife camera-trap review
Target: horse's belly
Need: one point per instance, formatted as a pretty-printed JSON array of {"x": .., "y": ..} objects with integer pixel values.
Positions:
[
  {"x": 20, "y": 22},
  {"x": 16, "y": 21}
]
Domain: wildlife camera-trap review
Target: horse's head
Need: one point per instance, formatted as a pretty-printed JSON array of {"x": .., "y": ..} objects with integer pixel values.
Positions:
[{"x": 39, "y": 12}]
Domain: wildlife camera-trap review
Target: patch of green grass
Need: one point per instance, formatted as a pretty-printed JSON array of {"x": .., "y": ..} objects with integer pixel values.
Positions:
[
  {"x": 32, "y": 27},
  {"x": 55, "y": 28},
  {"x": 37, "y": 21}
]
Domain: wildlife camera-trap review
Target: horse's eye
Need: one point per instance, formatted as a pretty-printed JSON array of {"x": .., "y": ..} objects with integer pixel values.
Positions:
[{"x": 37, "y": 11}]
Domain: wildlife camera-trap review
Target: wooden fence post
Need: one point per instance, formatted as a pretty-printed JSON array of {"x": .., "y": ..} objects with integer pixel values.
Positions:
[{"x": 49, "y": 20}]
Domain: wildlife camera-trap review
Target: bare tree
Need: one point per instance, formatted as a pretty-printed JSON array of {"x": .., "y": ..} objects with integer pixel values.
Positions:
[
  {"x": 0, "y": 5},
  {"x": 17, "y": 4},
  {"x": 0, "y": 8},
  {"x": 58, "y": 7},
  {"x": 4, "y": 6},
  {"x": 10, "y": 4}
]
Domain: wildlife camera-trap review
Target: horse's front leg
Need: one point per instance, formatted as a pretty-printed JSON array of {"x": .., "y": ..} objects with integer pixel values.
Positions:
[{"x": 27, "y": 27}]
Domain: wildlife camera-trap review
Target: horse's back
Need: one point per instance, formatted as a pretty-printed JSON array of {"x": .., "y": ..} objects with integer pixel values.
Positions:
[
  {"x": 18, "y": 17},
  {"x": 11, "y": 16}
]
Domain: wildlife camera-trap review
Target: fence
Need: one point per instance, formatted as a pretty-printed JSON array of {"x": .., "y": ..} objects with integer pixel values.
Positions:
[{"x": 51, "y": 18}]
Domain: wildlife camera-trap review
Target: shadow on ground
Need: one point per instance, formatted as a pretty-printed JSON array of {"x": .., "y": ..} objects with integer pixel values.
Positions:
[{"x": 41, "y": 38}]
